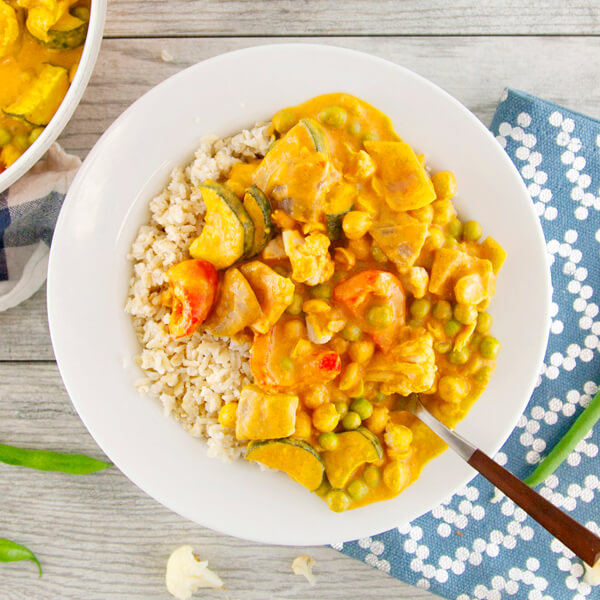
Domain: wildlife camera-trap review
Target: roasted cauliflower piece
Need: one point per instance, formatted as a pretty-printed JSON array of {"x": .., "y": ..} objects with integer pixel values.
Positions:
[{"x": 311, "y": 262}]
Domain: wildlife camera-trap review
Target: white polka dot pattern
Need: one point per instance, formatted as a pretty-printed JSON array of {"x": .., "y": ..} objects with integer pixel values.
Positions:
[{"x": 479, "y": 544}]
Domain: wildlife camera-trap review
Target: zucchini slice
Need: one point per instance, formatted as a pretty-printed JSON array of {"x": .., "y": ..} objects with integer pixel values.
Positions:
[
  {"x": 257, "y": 205},
  {"x": 67, "y": 33},
  {"x": 340, "y": 202},
  {"x": 318, "y": 135},
  {"x": 296, "y": 458},
  {"x": 42, "y": 99},
  {"x": 355, "y": 448},
  {"x": 228, "y": 232}
]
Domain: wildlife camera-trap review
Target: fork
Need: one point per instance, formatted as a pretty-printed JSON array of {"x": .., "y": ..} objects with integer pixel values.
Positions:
[{"x": 584, "y": 543}]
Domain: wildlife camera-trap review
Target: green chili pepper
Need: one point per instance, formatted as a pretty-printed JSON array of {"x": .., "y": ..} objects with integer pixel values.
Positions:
[
  {"x": 44, "y": 460},
  {"x": 584, "y": 422},
  {"x": 11, "y": 552}
]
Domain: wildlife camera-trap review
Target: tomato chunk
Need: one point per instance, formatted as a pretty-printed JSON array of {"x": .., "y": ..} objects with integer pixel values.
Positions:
[
  {"x": 194, "y": 288},
  {"x": 374, "y": 289}
]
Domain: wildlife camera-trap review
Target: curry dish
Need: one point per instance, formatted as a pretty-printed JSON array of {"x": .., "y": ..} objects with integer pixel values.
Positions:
[
  {"x": 341, "y": 260},
  {"x": 40, "y": 45}
]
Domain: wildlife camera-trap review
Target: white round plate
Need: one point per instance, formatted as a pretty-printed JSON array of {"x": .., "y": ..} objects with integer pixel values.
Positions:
[
  {"x": 69, "y": 103},
  {"x": 89, "y": 273}
]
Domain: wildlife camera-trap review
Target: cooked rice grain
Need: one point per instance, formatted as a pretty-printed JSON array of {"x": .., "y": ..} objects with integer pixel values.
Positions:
[{"x": 192, "y": 377}]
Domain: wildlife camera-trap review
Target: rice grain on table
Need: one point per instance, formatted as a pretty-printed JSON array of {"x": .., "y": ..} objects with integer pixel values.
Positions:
[{"x": 194, "y": 376}]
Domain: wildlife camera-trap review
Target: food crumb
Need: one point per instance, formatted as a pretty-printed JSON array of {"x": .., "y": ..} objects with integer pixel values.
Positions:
[
  {"x": 166, "y": 56},
  {"x": 592, "y": 574},
  {"x": 498, "y": 495},
  {"x": 302, "y": 565},
  {"x": 186, "y": 574}
]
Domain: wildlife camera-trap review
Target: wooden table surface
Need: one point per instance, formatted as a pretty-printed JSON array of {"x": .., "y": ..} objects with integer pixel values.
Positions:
[{"x": 101, "y": 538}]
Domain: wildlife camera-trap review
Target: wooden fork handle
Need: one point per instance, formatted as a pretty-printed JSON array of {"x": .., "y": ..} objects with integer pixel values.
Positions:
[{"x": 572, "y": 534}]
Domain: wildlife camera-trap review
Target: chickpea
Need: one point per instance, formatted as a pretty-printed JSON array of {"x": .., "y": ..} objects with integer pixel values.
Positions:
[
  {"x": 350, "y": 377},
  {"x": 360, "y": 248},
  {"x": 398, "y": 438},
  {"x": 443, "y": 211},
  {"x": 339, "y": 345},
  {"x": 424, "y": 214},
  {"x": 325, "y": 417},
  {"x": 378, "y": 420},
  {"x": 396, "y": 476},
  {"x": 227, "y": 415},
  {"x": 361, "y": 351},
  {"x": 284, "y": 120},
  {"x": 453, "y": 389},
  {"x": 356, "y": 223},
  {"x": 315, "y": 396},
  {"x": 294, "y": 328},
  {"x": 315, "y": 306},
  {"x": 345, "y": 258}
]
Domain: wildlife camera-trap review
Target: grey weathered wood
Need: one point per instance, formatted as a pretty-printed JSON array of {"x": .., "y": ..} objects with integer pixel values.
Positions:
[
  {"x": 353, "y": 17},
  {"x": 473, "y": 69},
  {"x": 99, "y": 537}
]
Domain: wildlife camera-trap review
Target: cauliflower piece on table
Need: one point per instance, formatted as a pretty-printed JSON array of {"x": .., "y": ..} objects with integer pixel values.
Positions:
[
  {"x": 302, "y": 565},
  {"x": 186, "y": 574},
  {"x": 311, "y": 262}
]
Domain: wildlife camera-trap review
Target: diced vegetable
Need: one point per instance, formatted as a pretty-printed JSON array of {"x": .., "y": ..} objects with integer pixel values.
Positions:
[
  {"x": 317, "y": 134},
  {"x": 236, "y": 306},
  {"x": 295, "y": 457},
  {"x": 43, "y": 97},
  {"x": 240, "y": 177},
  {"x": 404, "y": 183},
  {"x": 408, "y": 367},
  {"x": 9, "y": 28},
  {"x": 339, "y": 203},
  {"x": 67, "y": 33},
  {"x": 228, "y": 232},
  {"x": 193, "y": 288},
  {"x": 264, "y": 416},
  {"x": 274, "y": 293},
  {"x": 257, "y": 205},
  {"x": 360, "y": 292},
  {"x": 494, "y": 252},
  {"x": 355, "y": 448}
]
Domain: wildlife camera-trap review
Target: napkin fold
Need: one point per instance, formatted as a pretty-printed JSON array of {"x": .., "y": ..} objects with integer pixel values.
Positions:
[
  {"x": 28, "y": 213},
  {"x": 476, "y": 545}
]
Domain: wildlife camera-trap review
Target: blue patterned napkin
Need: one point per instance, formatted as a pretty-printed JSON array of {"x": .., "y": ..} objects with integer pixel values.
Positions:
[
  {"x": 469, "y": 547},
  {"x": 28, "y": 213}
]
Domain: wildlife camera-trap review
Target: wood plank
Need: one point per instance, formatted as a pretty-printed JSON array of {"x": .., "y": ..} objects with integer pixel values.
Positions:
[
  {"x": 472, "y": 69},
  {"x": 354, "y": 17},
  {"x": 100, "y": 537}
]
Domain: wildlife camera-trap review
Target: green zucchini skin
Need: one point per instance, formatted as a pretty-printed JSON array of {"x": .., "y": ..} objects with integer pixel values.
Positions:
[
  {"x": 318, "y": 135},
  {"x": 373, "y": 439},
  {"x": 333, "y": 222},
  {"x": 257, "y": 205},
  {"x": 69, "y": 33}
]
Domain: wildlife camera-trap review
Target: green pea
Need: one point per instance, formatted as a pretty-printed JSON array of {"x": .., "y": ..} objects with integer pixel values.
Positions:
[
  {"x": 81, "y": 12},
  {"x": 354, "y": 127},
  {"x": 362, "y": 407},
  {"x": 287, "y": 364},
  {"x": 335, "y": 116},
  {"x": 451, "y": 243},
  {"x": 351, "y": 420},
  {"x": 489, "y": 347},
  {"x": 35, "y": 134},
  {"x": 442, "y": 310},
  {"x": 442, "y": 347},
  {"x": 420, "y": 308},
  {"x": 351, "y": 332},
  {"x": 323, "y": 291},
  {"x": 338, "y": 500},
  {"x": 452, "y": 327},
  {"x": 329, "y": 441},
  {"x": 341, "y": 408},
  {"x": 472, "y": 231},
  {"x": 455, "y": 227},
  {"x": 323, "y": 489},
  {"x": 380, "y": 316},
  {"x": 284, "y": 120},
  {"x": 372, "y": 476},
  {"x": 295, "y": 308},
  {"x": 357, "y": 489},
  {"x": 379, "y": 396},
  {"x": 483, "y": 375},
  {"x": 378, "y": 254},
  {"x": 5, "y": 136},
  {"x": 484, "y": 322},
  {"x": 21, "y": 141},
  {"x": 458, "y": 357},
  {"x": 465, "y": 314}
]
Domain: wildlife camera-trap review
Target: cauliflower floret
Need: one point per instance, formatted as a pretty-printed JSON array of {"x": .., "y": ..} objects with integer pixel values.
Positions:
[
  {"x": 409, "y": 367},
  {"x": 592, "y": 574},
  {"x": 303, "y": 565},
  {"x": 186, "y": 574},
  {"x": 361, "y": 166},
  {"x": 311, "y": 262},
  {"x": 415, "y": 281},
  {"x": 398, "y": 439}
]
